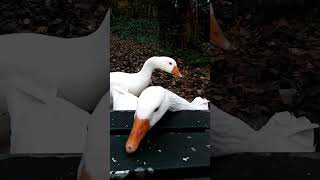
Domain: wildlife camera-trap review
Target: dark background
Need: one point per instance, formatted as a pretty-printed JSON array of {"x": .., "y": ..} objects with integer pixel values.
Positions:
[{"x": 277, "y": 48}]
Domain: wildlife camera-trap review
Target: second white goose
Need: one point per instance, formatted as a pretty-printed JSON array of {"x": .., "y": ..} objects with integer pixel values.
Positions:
[{"x": 153, "y": 103}]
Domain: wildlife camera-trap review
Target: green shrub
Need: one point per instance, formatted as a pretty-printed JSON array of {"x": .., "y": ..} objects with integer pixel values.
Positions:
[
  {"x": 193, "y": 57},
  {"x": 141, "y": 30}
]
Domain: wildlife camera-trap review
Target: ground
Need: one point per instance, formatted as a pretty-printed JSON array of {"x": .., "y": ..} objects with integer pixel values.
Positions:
[
  {"x": 275, "y": 67},
  {"x": 62, "y": 18}
]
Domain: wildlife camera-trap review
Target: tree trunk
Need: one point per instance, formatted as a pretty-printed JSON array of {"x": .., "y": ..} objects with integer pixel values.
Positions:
[
  {"x": 189, "y": 23},
  {"x": 122, "y": 7}
]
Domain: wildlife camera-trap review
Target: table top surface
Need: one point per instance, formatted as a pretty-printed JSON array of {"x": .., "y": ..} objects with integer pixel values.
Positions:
[{"x": 177, "y": 146}]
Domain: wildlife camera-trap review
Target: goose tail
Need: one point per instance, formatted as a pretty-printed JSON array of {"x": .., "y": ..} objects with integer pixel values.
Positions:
[{"x": 201, "y": 103}]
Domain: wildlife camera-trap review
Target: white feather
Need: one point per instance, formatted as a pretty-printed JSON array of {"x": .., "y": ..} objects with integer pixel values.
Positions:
[{"x": 201, "y": 102}]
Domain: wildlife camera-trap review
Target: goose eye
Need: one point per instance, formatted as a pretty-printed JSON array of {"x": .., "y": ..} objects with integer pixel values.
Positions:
[
  {"x": 156, "y": 109},
  {"x": 170, "y": 63}
]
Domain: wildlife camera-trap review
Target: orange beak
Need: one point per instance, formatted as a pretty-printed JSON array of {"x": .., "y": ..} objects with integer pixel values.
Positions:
[
  {"x": 138, "y": 131},
  {"x": 176, "y": 71}
]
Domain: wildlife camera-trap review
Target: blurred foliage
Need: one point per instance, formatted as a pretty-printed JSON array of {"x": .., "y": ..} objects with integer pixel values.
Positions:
[
  {"x": 135, "y": 8},
  {"x": 194, "y": 57},
  {"x": 141, "y": 30},
  {"x": 179, "y": 26},
  {"x": 175, "y": 16},
  {"x": 265, "y": 11}
]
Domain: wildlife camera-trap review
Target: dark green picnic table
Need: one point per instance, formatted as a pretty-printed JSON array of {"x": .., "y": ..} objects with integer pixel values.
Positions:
[
  {"x": 39, "y": 167},
  {"x": 178, "y": 136},
  {"x": 176, "y": 147}
]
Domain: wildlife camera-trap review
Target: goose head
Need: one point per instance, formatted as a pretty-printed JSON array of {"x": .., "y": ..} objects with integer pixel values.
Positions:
[
  {"x": 152, "y": 105},
  {"x": 166, "y": 64}
]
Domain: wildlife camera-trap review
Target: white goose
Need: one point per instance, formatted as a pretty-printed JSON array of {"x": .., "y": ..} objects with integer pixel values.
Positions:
[
  {"x": 126, "y": 87},
  {"x": 153, "y": 103},
  {"x": 137, "y": 82}
]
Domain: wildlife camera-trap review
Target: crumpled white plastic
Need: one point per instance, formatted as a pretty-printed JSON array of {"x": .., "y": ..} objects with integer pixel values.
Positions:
[
  {"x": 283, "y": 133},
  {"x": 41, "y": 122}
]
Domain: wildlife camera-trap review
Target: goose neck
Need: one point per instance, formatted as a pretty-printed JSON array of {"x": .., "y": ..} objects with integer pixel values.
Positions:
[
  {"x": 147, "y": 68},
  {"x": 178, "y": 103}
]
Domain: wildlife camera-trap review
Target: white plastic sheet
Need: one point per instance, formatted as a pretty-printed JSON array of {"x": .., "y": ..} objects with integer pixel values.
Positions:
[
  {"x": 45, "y": 125},
  {"x": 283, "y": 133}
]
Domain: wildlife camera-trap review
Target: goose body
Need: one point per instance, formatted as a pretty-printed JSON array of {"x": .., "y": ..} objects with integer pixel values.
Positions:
[
  {"x": 152, "y": 104},
  {"x": 137, "y": 82},
  {"x": 123, "y": 100}
]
